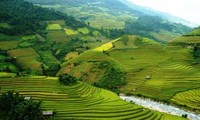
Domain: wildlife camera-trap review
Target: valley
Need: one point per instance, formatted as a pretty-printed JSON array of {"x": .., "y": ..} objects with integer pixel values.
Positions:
[{"x": 110, "y": 49}]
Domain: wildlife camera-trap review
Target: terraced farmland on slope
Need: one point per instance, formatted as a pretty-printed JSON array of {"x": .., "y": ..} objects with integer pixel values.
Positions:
[
  {"x": 189, "y": 98},
  {"x": 27, "y": 57},
  {"x": 6, "y": 45},
  {"x": 80, "y": 101},
  {"x": 54, "y": 27},
  {"x": 107, "y": 46}
]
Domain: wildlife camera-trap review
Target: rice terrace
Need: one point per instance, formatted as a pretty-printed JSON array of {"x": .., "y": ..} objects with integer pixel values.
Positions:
[{"x": 99, "y": 60}]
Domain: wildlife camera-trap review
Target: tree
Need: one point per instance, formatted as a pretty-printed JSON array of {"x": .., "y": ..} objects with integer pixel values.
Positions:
[
  {"x": 13, "y": 106},
  {"x": 67, "y": 79},
  {"x": 113, "y": 77}
]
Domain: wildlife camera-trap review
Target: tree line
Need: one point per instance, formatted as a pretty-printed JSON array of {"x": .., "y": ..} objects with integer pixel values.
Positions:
[{"x": 26, "y": 18}]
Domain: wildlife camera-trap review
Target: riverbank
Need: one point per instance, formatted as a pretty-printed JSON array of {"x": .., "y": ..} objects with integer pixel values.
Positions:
[{"x": 160, "y": 107}]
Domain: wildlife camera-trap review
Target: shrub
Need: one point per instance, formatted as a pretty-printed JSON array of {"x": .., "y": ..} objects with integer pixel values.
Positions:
[
  {"x": 112, "y": 79},
  {"x": 184, "y": 115},
  {"x": 67, "y": 79}
]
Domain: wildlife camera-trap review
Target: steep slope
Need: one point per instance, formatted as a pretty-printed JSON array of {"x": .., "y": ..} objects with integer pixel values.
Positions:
[
  {"x": 34, "y": 40},
  {"x": 113, "y": 14},
  {"x": 20, "y": 17},
  {"x": 171, "y": 68}
]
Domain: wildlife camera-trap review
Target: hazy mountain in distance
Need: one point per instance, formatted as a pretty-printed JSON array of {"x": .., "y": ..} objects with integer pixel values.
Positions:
[
  {"x": 116, "y": 15},
  {"x": 152, "y": 12}
]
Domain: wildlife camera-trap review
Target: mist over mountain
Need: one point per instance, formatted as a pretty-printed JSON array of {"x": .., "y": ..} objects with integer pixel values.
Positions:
[{"x": 152, "y": 12}]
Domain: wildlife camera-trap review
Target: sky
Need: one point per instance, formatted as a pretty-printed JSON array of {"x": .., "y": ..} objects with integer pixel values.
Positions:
[{"x": 186, "y": 9}]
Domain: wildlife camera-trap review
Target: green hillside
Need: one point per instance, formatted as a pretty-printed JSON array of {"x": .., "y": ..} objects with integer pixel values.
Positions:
[
  {"x": 117, "y": 18},
  {"x": 189, "y": 39},
  {"x": 110, "y": 48},
  {"x": 38, "y": 41},
  {"x": 80, "y": 101},
  {"x": 170, "y": 68}
]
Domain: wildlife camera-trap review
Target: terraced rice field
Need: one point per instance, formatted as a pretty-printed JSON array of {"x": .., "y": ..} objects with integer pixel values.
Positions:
[
  {"x": 57, "y": 36},
  {"x": 6, "y": 45},
  {"x": 27, "y": 57},
  {"x": 170, "y": 67},
  {"x": 187, "y": 39},
  {"x": 80, "y": 101},
  {"x": 71, "y": 55},
  {"x": 179, "y": 67},
  {"x": 54, "y": 27},
  {"x": 195, "y": 32},
  {"x": 70, "y": 31},
  {"x": 107, "y": 46},
  {"x": 84, "y": 31},
  {"x": 189, "y": 98}
]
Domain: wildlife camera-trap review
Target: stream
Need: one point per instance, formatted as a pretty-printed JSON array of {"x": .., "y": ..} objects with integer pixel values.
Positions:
[{"x": 147, "y": 103}]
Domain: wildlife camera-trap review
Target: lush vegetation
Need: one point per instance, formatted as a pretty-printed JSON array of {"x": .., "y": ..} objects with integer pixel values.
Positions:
[
  {"x": 114, "y": 18},
  {"x": 15, "y": 107},
  {"x": 171, "y": 67},
  {"x": 79, "y": 101},
  {"x": 149, "y": 24},
  {"x": 67, "y": 79},
  {"x": 113, "y": 78},
  {"x": 50, "y": 43},
  {"x": 25, "y": 18}
]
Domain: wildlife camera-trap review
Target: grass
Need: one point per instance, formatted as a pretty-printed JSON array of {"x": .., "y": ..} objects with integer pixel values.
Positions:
[
  {"x": 53, "y": 27},
  {"x": 27, "y": 57},
  {"x": 80, "y": 101},
  {"x": 70, "y": 31},
  {"x": 84, "y": 31},
  {"x": 6, "y": 45}
]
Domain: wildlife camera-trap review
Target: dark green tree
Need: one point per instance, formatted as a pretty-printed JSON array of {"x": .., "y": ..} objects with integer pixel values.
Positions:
[
  {"x": 13, "y": 106},
  {"x": 67, "y": 79}
]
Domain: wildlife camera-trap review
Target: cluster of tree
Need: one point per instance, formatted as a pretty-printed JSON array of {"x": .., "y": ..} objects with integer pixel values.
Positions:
[
  {"x": 8, "y": 64},
  {"x": 67, "y": 79},
  {"x": 113, "y": 78},
  {"x": 26, "y": 18},
  {"x": 196, "y": 52},
  {"x": 13, "y": 106},
  {"x": 50, "y": 70}
]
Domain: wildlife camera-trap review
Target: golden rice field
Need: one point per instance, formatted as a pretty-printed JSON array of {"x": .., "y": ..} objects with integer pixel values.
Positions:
[{"x": 107, "y": 46}]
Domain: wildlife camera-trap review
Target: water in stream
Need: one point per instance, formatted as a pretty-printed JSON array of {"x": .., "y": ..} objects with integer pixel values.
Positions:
[{"x": 160, "y": 107}]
